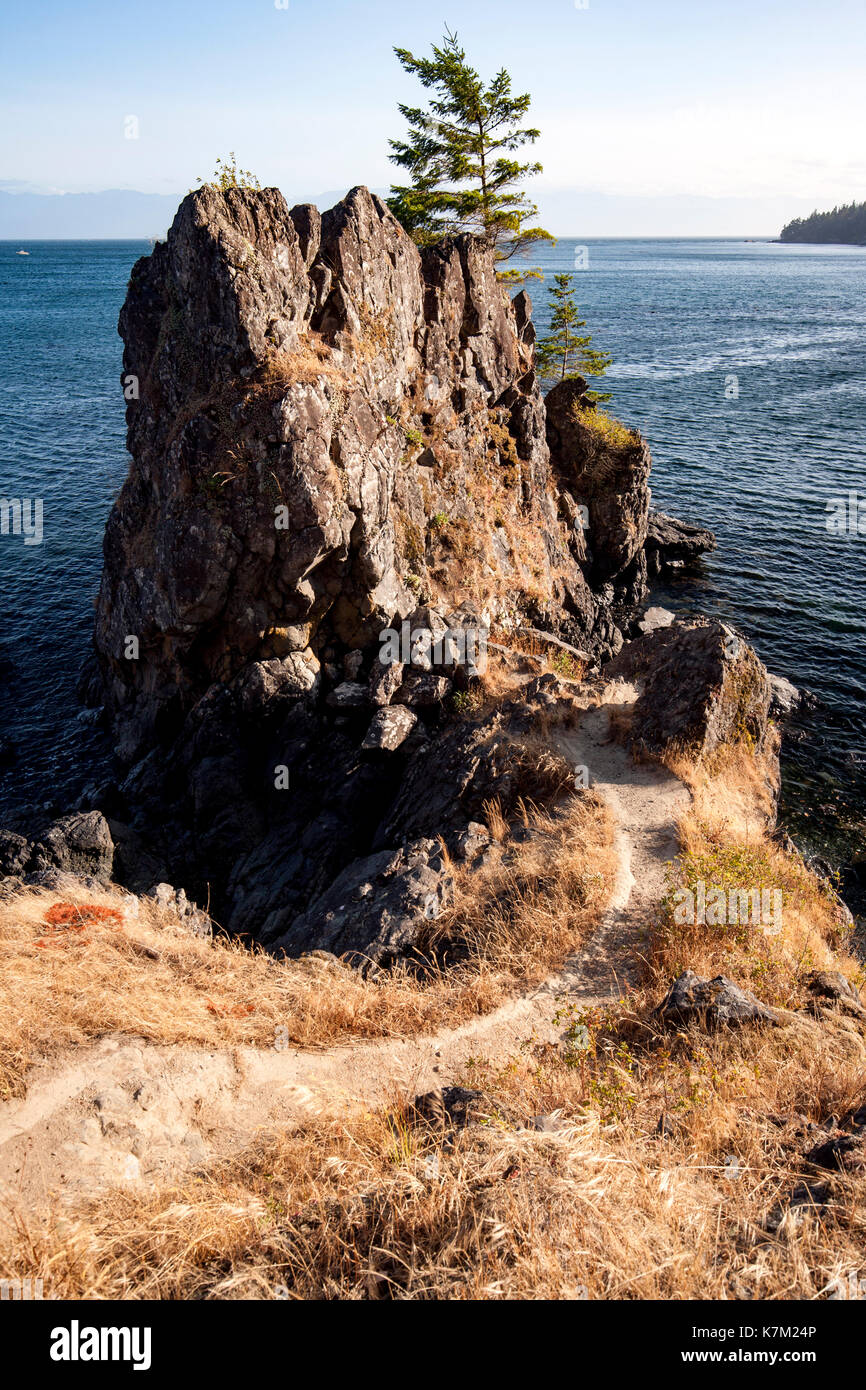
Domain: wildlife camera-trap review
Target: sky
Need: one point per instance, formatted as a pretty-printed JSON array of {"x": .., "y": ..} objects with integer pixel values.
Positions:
[{"x": 736, "y": 109}]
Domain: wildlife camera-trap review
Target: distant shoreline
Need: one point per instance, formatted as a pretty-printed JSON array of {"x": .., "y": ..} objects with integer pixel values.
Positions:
[
  {"x": 858, "y": 245},
  {"x": 844, "y": 226}
]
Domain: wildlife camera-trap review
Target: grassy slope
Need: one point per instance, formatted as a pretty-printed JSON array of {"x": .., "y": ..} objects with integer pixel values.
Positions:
[{"x": 383, "y": 1205}]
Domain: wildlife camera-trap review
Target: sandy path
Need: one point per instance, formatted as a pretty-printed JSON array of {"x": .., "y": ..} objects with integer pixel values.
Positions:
[{"x": 128, "y": 1110}]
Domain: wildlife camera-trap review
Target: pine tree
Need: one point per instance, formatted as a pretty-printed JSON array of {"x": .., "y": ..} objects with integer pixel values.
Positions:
[
  {"x": 457, "y": 152},
  {"x": 563, "y": 352}
]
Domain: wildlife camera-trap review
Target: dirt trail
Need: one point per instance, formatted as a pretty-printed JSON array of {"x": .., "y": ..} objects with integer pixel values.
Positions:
[{"x": 129, "y": 1110}]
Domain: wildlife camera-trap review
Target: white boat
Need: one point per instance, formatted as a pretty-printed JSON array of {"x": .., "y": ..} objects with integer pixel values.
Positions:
[{"x": 22, "y": 253}]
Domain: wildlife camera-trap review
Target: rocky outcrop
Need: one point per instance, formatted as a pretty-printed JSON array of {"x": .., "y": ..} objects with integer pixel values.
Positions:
[
  {"x": 672, "y": 544},
  {"x": 716, "y": 1003},
  {"x": 389, "y": 728},
  {"x": 79, "y": 844},
  {"x": 832, "y": 985},
  {"x": 701, "y": 685},
  {"x": 374, "y": 912},
  {"x": 341, "y": 478},
  {"x": 785, "y": 697},
  {"x": 603, "y": 468},
  {"x": 325, "y": 424},
  {"x": 173, "y": 901}
]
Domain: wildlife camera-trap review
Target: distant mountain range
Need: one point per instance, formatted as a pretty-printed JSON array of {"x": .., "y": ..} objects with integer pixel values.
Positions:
[
  {"x": 123, "y": 214},
  {"x": 115, "y": 214},
  {"x": 845, "y": 225}
]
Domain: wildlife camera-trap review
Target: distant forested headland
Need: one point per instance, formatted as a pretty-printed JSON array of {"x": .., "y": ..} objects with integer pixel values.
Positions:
[{"x": 846, "y": 224}]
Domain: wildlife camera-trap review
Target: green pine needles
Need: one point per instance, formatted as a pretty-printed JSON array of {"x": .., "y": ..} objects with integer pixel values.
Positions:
[
  {"x": 459, "y": 155},
  {"x": 564, "y": 352}
]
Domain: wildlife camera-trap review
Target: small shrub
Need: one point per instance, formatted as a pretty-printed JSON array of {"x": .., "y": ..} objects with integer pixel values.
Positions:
[
  {"x": 465, "y": 703},
  {"x": 227, "y": 175},
  {"x": 565, "y": 665},
  {"x": 606, "y": 428}
]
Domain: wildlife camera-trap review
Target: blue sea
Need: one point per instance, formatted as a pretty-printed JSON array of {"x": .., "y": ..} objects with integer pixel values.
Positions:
[{"x": 743, "y": 363}]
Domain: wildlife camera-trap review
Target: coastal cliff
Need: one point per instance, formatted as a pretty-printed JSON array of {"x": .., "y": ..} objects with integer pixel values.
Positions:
[
  {"x": 335, "y": 436},
  {"x": 331, "y": 429},
  {"x": 527, "y": 920}
]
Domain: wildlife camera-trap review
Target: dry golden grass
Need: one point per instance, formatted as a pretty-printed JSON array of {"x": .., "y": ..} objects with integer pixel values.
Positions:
[
  {"x": 310, "y": 362},
  {"x": 536, "y": 899},
  {"x": 726, "y": 842},
  {"x": 383, "y": 1206},
  {"x": 153, "y": 982},
  {"x": 606, "y": 429}
]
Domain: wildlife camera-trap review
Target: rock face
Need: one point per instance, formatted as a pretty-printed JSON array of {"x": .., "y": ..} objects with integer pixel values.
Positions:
[
  {"x": 389, "y": 728},
  {"x": 605, "y": 470},
  {"x": 785, "y": 697},
  {"x": 375, "y": 911},
  {"x": 80, "y": 844},
  {"x": 832, "y": 985},
  {"x": 189, "y": 918},
  {"x": 326, "y": 423}
]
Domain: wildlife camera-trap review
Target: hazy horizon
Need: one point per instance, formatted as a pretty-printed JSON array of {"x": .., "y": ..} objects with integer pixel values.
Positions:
[{"x": 132, "y": 214}]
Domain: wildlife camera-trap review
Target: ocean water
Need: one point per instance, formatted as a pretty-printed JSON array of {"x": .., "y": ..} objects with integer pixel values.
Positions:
[
  {"x": 744, "y": 364},
  {"x": 62, "y": 439}
]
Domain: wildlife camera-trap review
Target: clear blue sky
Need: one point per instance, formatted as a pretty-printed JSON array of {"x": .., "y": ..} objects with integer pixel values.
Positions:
[{"x": 729, "y": 99}]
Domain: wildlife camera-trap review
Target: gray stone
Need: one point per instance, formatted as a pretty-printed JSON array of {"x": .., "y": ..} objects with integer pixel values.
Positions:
[
  {"x": 352, "y": 663},
  {"x": 385, "y": 681},
  {"x": 549, "y": 1124},
  {"x": 80, "y": 844},
  {"x": 377, "y": 908},
  {"x": 62, "y": 881},
  {"x": 389, "y": 728},
  {"x": 716, "y": 1003},
  {"x": 175, "y": 901},
  {"x": 785, "y": 696},
  {"x": 422, "y": 690},
  {"x": 15, "y": 853},
  {"x": 672, "y": 544},
  {"x": 283, "y": 678},
  {"x": 348, "y": 695},
  {"x": 472, "y": 841},
  {"x": 832, "y": 985},
  {"x": 654, "y": 618},
  {"x": 702, "y": 686}
]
